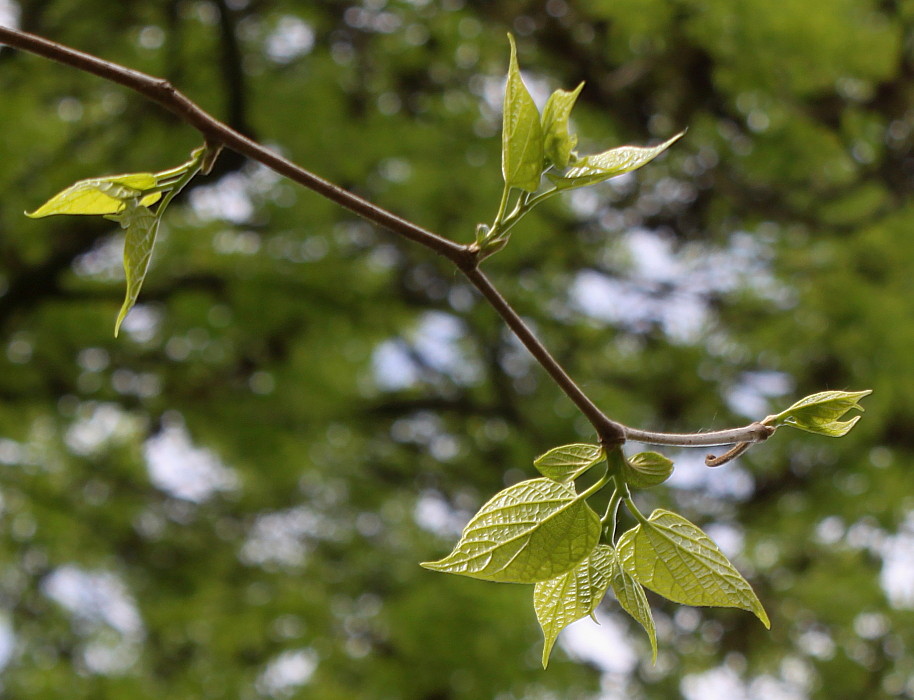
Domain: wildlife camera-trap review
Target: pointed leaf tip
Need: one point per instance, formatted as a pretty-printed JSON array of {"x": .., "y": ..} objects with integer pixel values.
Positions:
[
  {"x": 99, "y": 196},
  {"x": 575, "y": 594},
  {"x": 142, "y": 226},
  {"x": 632, "y": 599},
  {"x": 820, "y": 413},
  {"x": 522, "y": 133},
  {"x": 676, "y": 559},
  {"x": 591, "y": 169},
  {"x": 558, "y": 142}
]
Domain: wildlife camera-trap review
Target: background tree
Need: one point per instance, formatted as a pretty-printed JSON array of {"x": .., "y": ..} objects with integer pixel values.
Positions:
[{"x": 231, "y": 499}]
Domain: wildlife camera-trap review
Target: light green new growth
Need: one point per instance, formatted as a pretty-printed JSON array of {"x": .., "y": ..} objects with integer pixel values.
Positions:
[
  {"x": 631, "y": 597},
  {"x": 646, "y": 469},
  {"x": 575, "y": 594},
  {"x": 671, "y": 556},
  {"x": 590, "y": 170},
  {"x": 568, "y": 462},
  {"x": 141, "y": 226},
  {"x": 529, "y": 532},
  {"x": 558, "y": 142},
  {"x": 540, "y": 531},
  {"x": 126, "y": 199},
  {"x": 820, "y": 413},
  {"x": 100, "y": 196},
  {"x": 522, "y": 135}
]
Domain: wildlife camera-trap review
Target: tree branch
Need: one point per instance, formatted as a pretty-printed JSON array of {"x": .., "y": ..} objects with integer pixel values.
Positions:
[
  {"x": 610, "y": 431},
  {"x": 754, "y": 432},
  {"x": 214, "y": 131},
  {"x": 463, "y": 257}
]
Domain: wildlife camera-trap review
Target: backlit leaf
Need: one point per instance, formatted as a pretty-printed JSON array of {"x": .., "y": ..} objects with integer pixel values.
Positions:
[
  {"x": 820, "y": 413},
  {"x": 646, "y": 469},
  {"x": 522, "y": 135},
  {"x": 568, "y": 462},
  {"x": 674, "y": 558},
  {"x": 141, "y": 225},
  {"x": 557, "y": 142},
  {"x": 529, "y": 532},
  {"x": 575, "y": 594},
  {"x": 631, "y": 597},
  {"x": 596, "y": 168},
  {"x": 103, "y": 195}
]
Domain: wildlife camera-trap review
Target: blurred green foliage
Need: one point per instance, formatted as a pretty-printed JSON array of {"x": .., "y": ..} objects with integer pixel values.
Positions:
[{"x": 232, "y": 498}]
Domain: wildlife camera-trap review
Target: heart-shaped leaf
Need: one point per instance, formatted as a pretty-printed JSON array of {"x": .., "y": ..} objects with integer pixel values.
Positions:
[
  {"x": 674, "y": 558},
  {"x": 532, "y": 531},
  {"x": 646, "y": 469},
  {"x": 568, "y": 462}
]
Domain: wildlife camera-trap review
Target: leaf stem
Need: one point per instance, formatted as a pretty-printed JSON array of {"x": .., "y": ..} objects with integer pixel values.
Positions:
[
  {"x": 190, "y": 170},
  {"x": 633, "y": 509},
  {"x": 502, "y": 205},
  {"x": 595, "y": 487},
  {"x": 611, "y": 515}
]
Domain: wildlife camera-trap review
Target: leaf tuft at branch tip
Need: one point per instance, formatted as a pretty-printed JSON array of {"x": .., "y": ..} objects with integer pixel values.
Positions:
[{"x": 820, "y": 413}]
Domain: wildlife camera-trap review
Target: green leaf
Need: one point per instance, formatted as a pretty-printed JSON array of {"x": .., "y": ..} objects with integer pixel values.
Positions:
[
  {"x": 522, "y": 135},
  {"x": 592, "y": 169},
  {"x": 529, "y": 532},
  {"x": 141, "y": 225},
  {"x": 674, "y": 558},
  {"x": 102, "y": 195},
  {"x": 568, "y": 462},
  {"x": 646, "y": 469},
  {"x": 631, "y": 597},
  {"x": 557, "y": 142},
  {"x": 575, "y": 594},
  {"x": 820, "y": 413}
]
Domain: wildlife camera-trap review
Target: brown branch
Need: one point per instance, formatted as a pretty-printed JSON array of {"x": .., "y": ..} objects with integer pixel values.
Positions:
[{"x": 465, "y": 258}]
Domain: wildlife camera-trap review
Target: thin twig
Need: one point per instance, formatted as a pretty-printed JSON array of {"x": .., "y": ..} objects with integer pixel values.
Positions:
[
  {"x": 465, "y": 258},
  {"x": 610, "y": 431},
  {"x": 214, "y": 131},
  {"x": 728, "y": 456},
  {"x": 754, "y": 432}
]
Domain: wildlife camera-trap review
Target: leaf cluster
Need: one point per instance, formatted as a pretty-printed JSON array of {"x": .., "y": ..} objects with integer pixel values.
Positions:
[
  {"x": 126, "y": 199},
  {"x": 534, "y": 146},
  {"x": 543, "y": 532}
]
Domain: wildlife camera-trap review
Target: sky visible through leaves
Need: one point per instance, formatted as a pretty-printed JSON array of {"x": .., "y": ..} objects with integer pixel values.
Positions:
[{"x": 236, "y": 493}]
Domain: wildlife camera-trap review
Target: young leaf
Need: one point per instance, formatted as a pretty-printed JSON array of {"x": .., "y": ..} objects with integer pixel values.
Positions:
[
  {"x": 674, "y": 558},
  {"x": 592, "y": 169},
  {"x": 568, "y": 462},
  {"x": 575, "y": 594},
  {"x": 101, "y": 195},
  {"x": 646, "y": 469},
  {"x": 529, "y": 532},
  {"x": 557, "y": 142},
  {"x": 141, "y": 225},
  {"x": 820, "y": 413},
  {"x": 631, "y": 597},
  {"x": 522, "y": 135}
]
